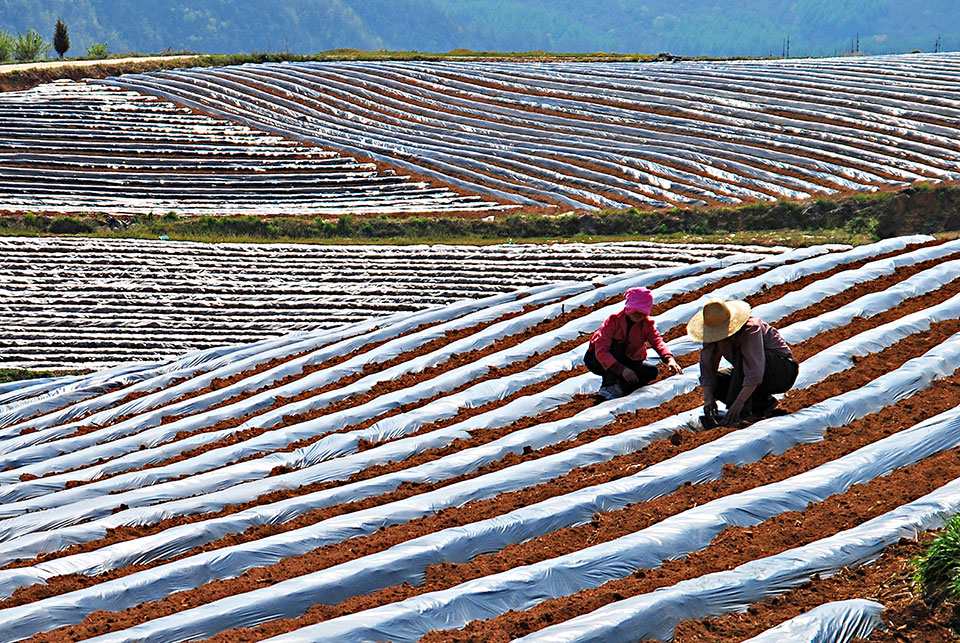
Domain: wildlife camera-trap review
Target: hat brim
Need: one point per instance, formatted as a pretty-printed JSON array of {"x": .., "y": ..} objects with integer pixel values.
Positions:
[{"x": 739, "y": 313}]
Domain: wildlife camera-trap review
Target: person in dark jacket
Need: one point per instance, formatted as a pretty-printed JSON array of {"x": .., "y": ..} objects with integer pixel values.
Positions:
[
  {"x": 618, "y": 348},
  {"x": 762, "y": 363}
]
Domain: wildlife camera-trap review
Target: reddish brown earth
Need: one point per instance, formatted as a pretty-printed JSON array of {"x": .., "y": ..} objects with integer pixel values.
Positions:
[{"x": 887, "y": 580}]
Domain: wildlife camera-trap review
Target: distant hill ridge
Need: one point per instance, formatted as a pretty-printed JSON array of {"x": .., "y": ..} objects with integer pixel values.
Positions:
[{"x": 682, "y": 27}]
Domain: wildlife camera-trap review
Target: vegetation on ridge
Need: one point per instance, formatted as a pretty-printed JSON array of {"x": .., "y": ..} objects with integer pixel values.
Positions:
[{"x": 860, "y": 218}]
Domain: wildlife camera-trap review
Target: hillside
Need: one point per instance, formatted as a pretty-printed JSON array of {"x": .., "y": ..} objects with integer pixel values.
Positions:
[
  {"x": 400, "y": 137},
  {"x": 683, "y": 27}
]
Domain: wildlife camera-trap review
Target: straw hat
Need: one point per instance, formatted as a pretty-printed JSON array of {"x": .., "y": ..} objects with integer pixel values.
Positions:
[{"x": 718, "y": 320}]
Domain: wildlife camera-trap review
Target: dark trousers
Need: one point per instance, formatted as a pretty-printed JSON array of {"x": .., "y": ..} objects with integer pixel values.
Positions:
[
  {"x": 778, "y": 376},
  {"x": 646, "y": 372}
]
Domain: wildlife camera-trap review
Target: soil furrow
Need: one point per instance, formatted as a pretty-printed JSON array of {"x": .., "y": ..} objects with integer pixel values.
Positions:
[
  {"x": 570, "y": 539},
  {"x": 640, "y": 418},
  {"x": 732, "y": 547}
]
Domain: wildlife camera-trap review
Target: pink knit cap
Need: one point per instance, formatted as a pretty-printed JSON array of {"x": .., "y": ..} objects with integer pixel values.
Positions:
[{"x": 640, "y": 300}]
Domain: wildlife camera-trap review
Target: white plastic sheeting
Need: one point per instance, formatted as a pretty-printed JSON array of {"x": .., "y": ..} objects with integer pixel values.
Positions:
[
  {"x": 18, "y": 389},
  {"x": 836, "y": 622},
  {"x": 78, "y": 389},
  {"x": 544, "y": 124},
  {"x": 226, "y": 177},
  {"x": 335, "y": 342},
  {"x": 223, "y": 361},
  {"x": 330, "y": 446},
  {"x": 335, "y": 445},
  {"x": 68, "y": 453},
  {"x": 33, "y": 447},
  {"x": 522, "y": 587},
  {"x": 406, "y": 562},
  {"x": 535, "y": 437},
  {"x": 147, "y": 300}
]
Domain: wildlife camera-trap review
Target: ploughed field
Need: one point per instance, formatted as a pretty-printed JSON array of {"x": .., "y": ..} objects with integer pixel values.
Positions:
[
  {"x": 77, "y": 303},
  {"x": 468, "y": 136},
  {"x": 447, "y": 475}
]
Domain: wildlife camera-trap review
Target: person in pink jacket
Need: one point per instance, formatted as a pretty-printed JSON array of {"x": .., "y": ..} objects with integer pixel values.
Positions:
[{"x": 618, "y": 348}]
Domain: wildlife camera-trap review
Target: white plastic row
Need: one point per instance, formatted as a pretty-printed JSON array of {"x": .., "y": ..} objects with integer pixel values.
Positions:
[
  {"x": 726, "y": 111},
  {"x": 733, "y": 96},
  {"x": 134, "y": 266},
  {"x": 656, "y": 614},
  {"x": 837, "y": 622},
  {"x": 574, "y": 135},
  {"x": 182, "y": 539},
  {"x": 168, "y": 543},
  {"x": 247, "y": 358},
  {"x": 109, "y": 442},
  {"x": 220, "y": 89},
  {"x": 63, "y": 190},
  {"x": 322, "y": 345},
  {"x": 345, "y": 443},
  {"x": 522, "y": 587}
]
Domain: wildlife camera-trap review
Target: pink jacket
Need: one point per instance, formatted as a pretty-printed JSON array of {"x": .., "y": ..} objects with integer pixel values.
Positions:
[{"x": 642, "y": 333}]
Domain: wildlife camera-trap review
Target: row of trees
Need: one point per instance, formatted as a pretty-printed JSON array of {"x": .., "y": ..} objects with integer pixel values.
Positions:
[{"x": 31, "y": 45}]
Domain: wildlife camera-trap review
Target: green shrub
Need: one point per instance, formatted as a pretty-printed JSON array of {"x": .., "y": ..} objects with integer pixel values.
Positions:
[
  {"x": 32, "y": 221},
  {"x": 6, "y": 44},
  {"x": 937, "y": 575},
  {"x": 17, "y": 374},
  {"x": 344, "y": 227},
  {"x": 97, "y": 51},
  {"x": 30, "y": 46},
  {"x": 861, "y": 225},
  {"x": 70, "y": 225}
]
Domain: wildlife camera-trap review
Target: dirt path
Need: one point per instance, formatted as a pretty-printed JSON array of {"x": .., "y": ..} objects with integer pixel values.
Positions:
[{"x": 54, "y": 64}]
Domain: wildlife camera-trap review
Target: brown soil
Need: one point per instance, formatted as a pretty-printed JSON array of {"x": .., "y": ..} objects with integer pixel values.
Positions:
[
  {"x": 802, "y": 351},
  {"x": 850, "y": 437},
  {"x": 885, "y": 580}
]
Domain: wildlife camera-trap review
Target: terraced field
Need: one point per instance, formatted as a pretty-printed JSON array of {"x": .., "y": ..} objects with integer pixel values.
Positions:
[
  {"x": 447, "y": 475},
  {"x": 451, "y": 136},
  {"x": 72, "y": 148},
  {"x": 74, "y": 303}
]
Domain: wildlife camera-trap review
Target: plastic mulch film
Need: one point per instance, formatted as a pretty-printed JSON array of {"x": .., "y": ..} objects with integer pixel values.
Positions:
[
  {"x": 513, "y": 590},
  {"x": 652, "y": 615},
  {"x": 475, "y": 314},
  {"x": 332, "y": 446},
  {"x": 866, "y": 306},
  {"x": 656, "y": 615},
  {"x": 24, "y": 450},
  {"x": 264, "y": 94},
  {"x": 229, "y": 362},
  {"x": 535, "y": 436},
  {"x": 836, "y": 622},
  {"x": 19, "y": 389},
  {"x": 76, "y": 389},
  {"x": 328, "y": 343},
  {"x": 453, "y": 379},
  {"x": 321, "y": 451},
  {"x": 393, "y": 427},
  {"x": 219, "y": 360}
]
